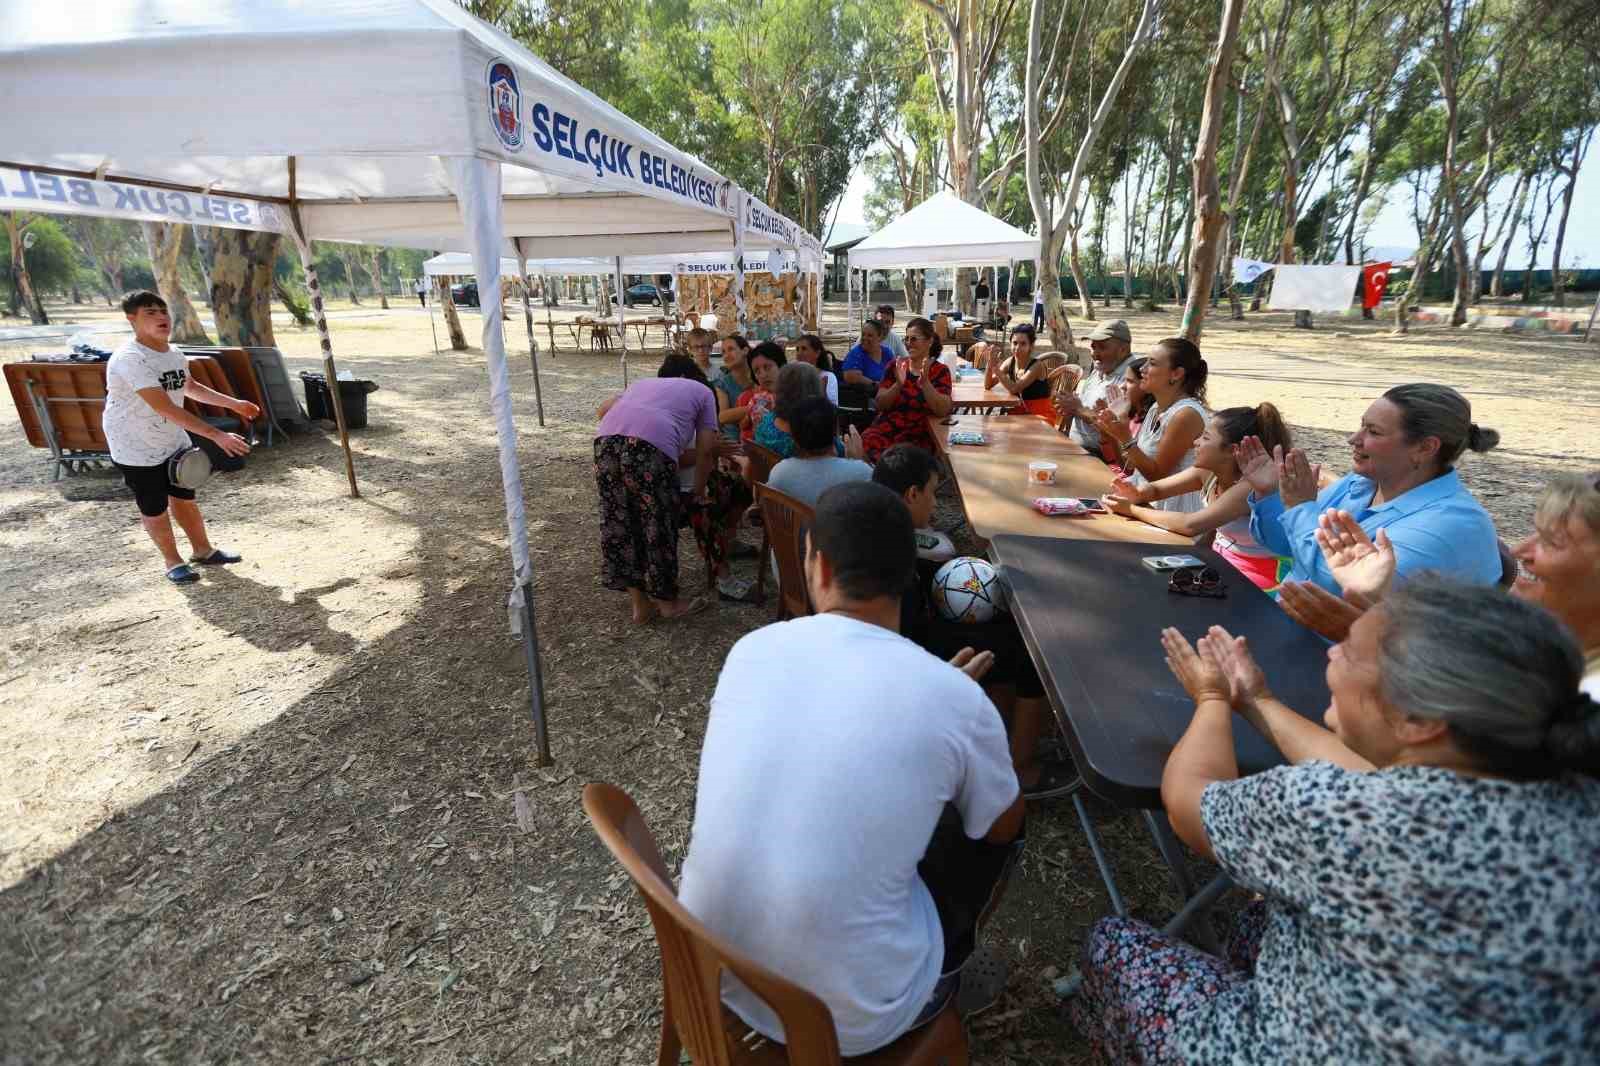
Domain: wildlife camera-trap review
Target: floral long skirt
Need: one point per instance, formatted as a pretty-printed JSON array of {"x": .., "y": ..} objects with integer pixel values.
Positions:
[
  {"x": 1138, "y": 983},
  {"x": 638, "y": 516}
]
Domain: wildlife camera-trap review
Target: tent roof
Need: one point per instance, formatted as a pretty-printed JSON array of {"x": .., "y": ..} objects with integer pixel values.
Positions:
[
  {"x": 370, "y": 97},
  {"x": 460, "y": 264},
  {"x": 944, "y": 231}
]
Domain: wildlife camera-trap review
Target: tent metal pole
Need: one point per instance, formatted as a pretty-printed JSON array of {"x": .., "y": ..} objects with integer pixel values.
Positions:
[
  {"x": 1590, "y": 327},
  {"x": 314, "y": 289},
  {"x": 527, "y": 315},
  {"x": 530, "y": 652},
  {"x": 622, "y": 317},
  {"x": 549, "y": 318}
]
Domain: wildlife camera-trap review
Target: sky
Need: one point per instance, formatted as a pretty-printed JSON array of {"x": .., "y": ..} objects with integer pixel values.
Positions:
[{"x": 1393, "y": 225}]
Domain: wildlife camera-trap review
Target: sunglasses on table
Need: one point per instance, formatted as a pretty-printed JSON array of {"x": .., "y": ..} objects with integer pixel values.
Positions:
[{"x": 1201, "y": 582}]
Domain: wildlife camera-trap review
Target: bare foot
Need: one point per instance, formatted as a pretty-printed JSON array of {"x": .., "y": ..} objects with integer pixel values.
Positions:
[
  {"x": 679, "y": 608},
  {"x": 641, "y": 615}
]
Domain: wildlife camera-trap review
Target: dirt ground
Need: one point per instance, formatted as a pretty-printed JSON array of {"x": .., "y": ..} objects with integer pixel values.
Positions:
[{"x": 273, "y": 817}]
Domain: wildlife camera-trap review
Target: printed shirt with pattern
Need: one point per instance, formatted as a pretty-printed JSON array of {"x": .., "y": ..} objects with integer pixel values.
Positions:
[
  {"x": 1416, "y": 915},
  {"x": 137, "y": 435},
  {"x": 907, "y": 421},
  {"x": 760, "y": 402}
]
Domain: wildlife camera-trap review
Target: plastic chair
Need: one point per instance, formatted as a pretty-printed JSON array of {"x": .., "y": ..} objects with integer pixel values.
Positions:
[
  {"x": 762, "y": 459},
  {"x": 785, "y": 520},
  {"x": 693, "y": 960}
]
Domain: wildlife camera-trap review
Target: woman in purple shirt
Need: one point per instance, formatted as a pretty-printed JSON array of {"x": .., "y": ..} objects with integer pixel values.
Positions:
[{"x": 643, "y": 431}]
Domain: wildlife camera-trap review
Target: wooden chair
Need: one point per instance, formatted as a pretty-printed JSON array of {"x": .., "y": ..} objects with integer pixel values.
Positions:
[
  {"x": 785, "y": 521},
  {"x": 762, "y": 459},
  {"x": 693, "y": 960}
]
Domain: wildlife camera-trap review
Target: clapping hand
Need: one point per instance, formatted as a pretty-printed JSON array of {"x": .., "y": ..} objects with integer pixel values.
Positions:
[
  {"x": 902, "y": 370},
  {"x": 1111, "y": 425},
  {"x": 1199, "y": 672},
  {"x": 1116, "y": 397},
  {"x": 1117, "y": 505},
  {"x": 974, "y": 664},
  {"x": 1297, "y": 476},
  {"x": 1067, "y": 404},
  {"x": 1318, "y": 609},
  {"x": 1363, "y": 569},
  {"x": 854, "y": 447},
  {"x": 1256, "y": 466},
  {"x": 1246, "y": 683},
  {"x": 1125, "y": 489}
]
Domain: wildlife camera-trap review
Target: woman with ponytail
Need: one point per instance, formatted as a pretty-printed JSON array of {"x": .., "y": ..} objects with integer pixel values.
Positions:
[
  {"x": 1175, "y": 375},
  {"x": 1402, "y": 480},
  {"x": 1215, "y": 475},
  {"x": 1426, "y": 862}
]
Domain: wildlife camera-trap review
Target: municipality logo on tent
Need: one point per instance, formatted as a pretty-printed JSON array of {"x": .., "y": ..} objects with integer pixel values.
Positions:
[{"x": 505, "y": 104}]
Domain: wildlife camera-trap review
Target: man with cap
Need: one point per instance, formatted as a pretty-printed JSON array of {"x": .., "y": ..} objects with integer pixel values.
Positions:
[{"x": 1112, "y": 346}]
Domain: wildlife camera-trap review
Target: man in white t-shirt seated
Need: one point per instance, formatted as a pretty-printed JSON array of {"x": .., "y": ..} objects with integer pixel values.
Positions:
[
  {"x": 891, "y": 340},
  {"x": 854, "y": 824},
  {"x": 145, "y": 423}
]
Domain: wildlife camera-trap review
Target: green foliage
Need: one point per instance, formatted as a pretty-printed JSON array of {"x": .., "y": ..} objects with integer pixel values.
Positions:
[{"x": 52, "y": 262}]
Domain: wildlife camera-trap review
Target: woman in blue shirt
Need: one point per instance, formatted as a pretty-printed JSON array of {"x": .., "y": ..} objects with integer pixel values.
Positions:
[{"x": 1402, "y": 480}]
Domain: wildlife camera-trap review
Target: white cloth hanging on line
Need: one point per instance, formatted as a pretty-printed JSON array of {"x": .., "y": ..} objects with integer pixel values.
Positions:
[
  {"x": 1314, "y": 288},
  {"x": 1247, "y": 270}
]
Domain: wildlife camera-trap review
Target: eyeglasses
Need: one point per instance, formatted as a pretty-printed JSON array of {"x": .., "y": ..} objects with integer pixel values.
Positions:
[{"x": 1203, "y": 582}]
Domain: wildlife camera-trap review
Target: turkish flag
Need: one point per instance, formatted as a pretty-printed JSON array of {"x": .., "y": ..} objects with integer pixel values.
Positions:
[{"x": 1374, "y": 279}]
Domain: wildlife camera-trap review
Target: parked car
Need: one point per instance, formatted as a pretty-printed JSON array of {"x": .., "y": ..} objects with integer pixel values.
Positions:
[
  {"x": 465, "y": 294},
  {"x": 645, "y": 293}
]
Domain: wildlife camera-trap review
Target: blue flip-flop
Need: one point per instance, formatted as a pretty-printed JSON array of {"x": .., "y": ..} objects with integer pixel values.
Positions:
[
  {"x": 218, "y": 557},
  {"x": 183, "y": 574}
]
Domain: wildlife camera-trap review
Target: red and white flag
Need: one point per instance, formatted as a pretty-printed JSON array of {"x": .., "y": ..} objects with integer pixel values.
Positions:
[{"x": 1374, "y": 279}]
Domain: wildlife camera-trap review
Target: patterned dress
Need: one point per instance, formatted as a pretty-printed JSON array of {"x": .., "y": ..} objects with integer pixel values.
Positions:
[
  {"x": 907, "y": 421},
  {"x": 638, "y": 485},
  {"x": 1412, "y": 914}
]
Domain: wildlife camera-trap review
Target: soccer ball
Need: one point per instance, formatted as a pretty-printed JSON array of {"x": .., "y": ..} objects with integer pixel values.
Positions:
[{"x": 967, "y": 590}]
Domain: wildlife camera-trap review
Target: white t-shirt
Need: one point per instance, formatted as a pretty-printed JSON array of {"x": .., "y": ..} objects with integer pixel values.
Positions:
[
  {"x": 1591, "y": 677},
  {"x": 832, "y": 748},
  {"x": 830, "y": 384},
  {"x": 137, "y": 435}
]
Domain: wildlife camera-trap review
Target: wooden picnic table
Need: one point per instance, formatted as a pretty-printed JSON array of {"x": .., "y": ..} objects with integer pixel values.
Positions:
[
  {"x": 998, "y": 498},
  {"x": 968, "y": 394}
]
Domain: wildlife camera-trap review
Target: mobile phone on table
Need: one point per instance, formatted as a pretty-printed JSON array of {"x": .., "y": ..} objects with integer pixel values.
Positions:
[
  {"x": 1093, "y": 504},
  {"x": 1164, "y": 563}
]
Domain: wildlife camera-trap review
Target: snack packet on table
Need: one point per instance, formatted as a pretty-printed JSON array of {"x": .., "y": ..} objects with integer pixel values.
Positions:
[{"x": 1059, "y": 505}]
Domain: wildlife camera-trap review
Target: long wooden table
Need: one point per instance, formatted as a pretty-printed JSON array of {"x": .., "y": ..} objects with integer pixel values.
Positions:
[
  {"x": 969, "y": 395},
  {"x": 998, "y": 498}
]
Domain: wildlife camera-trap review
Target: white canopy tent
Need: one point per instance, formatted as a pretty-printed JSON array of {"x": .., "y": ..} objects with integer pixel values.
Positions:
[
  {"x": 942, "y": 231},
  {"x": 269, "y": 114}
]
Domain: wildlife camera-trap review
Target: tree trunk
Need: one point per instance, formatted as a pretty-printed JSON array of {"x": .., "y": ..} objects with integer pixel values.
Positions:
[
  {"x": 452, "y": 320},
  {"x": 1558, "y": 288},
  {"x": 1446, "y": 67},
  {"x": 1075, "y": 264},
  {"x": 165, "y": 243},
  {"x": 1485, "y": 242},
  {"x": 242, "y": 286},
  {"x": 373, "y": 262},
  {"x": 1419, "y": 273},
  {"x": 349, "y": 274},
  {"x": 1497, "y": 285},
  {"x": 202, "y": 255}
]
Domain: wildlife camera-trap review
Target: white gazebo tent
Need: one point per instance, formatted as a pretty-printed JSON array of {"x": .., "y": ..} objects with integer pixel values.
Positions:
[
  {"x": 942, "y": 231},
  {"x": 275, "y": 109}
]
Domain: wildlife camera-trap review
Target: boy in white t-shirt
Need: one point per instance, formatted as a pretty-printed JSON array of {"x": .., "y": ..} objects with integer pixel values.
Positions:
[
  {"x": 854, "y": 824},
  {"x": 144, "y": 421}
]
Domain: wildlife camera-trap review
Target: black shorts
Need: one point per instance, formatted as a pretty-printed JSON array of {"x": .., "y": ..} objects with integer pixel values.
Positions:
[
  {"x": 1012, "y": 663},
  {"x": 965, "y": 877},
  {"x": 151, "y": 488}
]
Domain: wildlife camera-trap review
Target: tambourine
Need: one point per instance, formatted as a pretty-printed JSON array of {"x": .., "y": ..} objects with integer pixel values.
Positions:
[{"x": 189, "y": 468}]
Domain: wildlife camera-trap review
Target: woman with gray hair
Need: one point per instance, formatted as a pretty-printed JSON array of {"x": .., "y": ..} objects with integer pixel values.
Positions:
[
  {"x": 1402, "y": 480},
  {"x": 1426, "y": 862}
]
